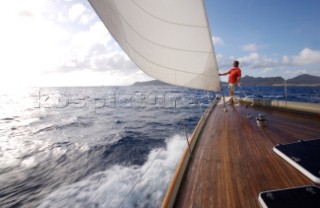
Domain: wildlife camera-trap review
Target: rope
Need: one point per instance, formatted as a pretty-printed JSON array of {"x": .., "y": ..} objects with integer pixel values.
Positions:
[
  {"x": 242, "y": 90},
  {"x": 223, "y": 97}
]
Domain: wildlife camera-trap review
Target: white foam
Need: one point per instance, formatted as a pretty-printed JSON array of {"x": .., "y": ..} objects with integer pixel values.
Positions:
[
  {"x": 14, "y": 150},
  {"x": 134, "y": 186},
  {"x": 29, "y": 162}
]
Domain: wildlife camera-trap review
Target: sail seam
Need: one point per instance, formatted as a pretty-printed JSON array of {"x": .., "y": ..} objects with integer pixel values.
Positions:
[
  {"x": 173, "y": 69},
  {"x": 163, "y": 20},
  {"x": 175, "y": 60},
  {"x": 164, "y": 46}
]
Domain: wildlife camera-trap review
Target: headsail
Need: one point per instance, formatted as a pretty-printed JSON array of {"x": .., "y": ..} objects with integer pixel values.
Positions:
[{"x": 169, "y": 40}]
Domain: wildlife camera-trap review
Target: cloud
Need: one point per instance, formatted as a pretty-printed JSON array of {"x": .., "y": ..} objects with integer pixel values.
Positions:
[
  {"x": 285, "y": 60},
  {"x": 252, "y": 64},
  {"x": 255, "y": 64},
  {"x": 266, "y": 70},
  {"x": 296, "y": 72},
  {"x": 92, "y": 47},
  {"x": 25, "y": 13},
  {"x": 250, "y": 47},
  {"x": 112, "y": 61},
  {"x": 76, "y": 11},
  {"x": 219, "y": 58},
  {"x": 254, "y": 60},
  {"x": 305, "y": 57},
  {"x": 58, "y": 37},
  {"x": 217, "y": 40},
  {"x": 95, "y": 50},
  {"x": 250, "y": 59},
  {"x": 68, "y": 13}
]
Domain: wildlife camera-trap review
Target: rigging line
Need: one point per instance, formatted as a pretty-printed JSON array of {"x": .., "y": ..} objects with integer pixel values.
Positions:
[
  {"x": 140, "y": 178},
  {"x": 252, "y": 103},
  {"x": 249, "y": 115},
  {"x": 223, "y": 97},
  {"x": 286, "y": 92},
  {"x": 224, "y": 103},
  {"x": 242, "y": 90}
]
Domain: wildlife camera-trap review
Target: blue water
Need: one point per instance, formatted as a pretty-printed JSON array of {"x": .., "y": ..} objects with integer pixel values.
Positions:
[
  {"x": 292, "y": 93},
  {"x": 101, "y": 146}
]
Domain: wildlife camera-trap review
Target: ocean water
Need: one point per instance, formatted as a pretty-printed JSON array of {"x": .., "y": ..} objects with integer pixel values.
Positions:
[{"x": 101, "y": 146}]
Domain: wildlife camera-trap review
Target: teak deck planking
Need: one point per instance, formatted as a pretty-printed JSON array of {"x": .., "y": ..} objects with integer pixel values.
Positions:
[{"x": 233, "y": 160}]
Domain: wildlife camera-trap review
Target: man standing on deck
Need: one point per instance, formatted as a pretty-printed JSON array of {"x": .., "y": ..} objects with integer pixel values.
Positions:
[{"x": 234, "y": 78}]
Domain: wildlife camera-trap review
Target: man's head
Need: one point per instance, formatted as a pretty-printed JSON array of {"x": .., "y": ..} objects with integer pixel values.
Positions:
[{"x": 236, "y": 63}]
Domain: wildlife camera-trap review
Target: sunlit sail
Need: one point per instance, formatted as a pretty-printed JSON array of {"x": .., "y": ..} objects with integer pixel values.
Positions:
[{"x": 169, "y": 40}]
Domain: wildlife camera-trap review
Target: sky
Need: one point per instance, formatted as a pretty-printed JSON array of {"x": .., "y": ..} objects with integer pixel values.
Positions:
[{"x": 63, "y": 42}]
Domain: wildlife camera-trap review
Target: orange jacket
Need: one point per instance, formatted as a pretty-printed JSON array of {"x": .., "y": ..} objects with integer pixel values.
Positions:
[{"x": 234, "y": 73}]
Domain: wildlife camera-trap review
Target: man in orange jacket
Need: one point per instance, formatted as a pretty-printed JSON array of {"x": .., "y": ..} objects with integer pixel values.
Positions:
[{"x": 234, "y": 78}]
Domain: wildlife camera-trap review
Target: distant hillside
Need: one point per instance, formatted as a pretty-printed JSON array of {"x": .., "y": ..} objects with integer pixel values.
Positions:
[
  {"x": 301, "y": 80},
  {"x": 304, "y": 79},
  {"x": 150, "y": 83},
  {"x": 259, "y": 81}
]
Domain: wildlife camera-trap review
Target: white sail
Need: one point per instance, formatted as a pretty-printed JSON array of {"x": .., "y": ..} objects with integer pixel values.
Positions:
[{"x": 169, "y": 40}]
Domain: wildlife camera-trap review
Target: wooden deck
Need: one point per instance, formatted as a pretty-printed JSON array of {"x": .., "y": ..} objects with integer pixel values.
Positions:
[{"x": 233, "y": 160}]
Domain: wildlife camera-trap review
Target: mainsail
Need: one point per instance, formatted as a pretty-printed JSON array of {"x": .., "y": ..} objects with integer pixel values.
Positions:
[{"x": 169, "y": 40}]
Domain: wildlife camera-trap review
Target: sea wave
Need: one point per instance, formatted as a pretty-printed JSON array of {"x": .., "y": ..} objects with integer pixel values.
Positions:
[
  {"x": 87, "y": 156},
  {"x": 123, "y": 186}
]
